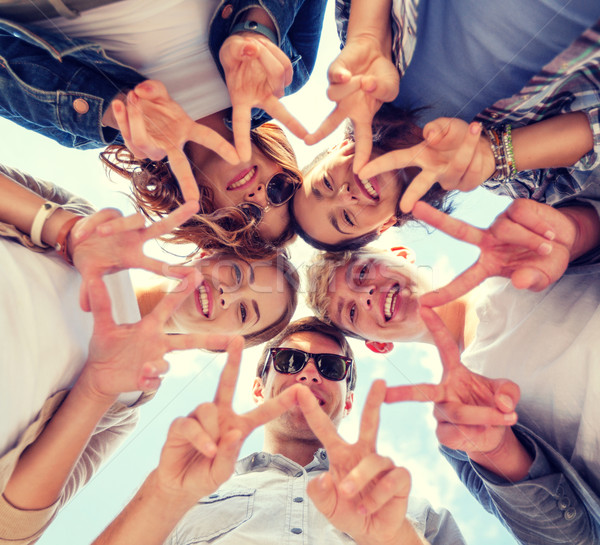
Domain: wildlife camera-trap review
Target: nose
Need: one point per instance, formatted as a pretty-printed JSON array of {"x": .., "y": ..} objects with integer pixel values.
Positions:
[
  {"x": 229, "y": 296},
  {"x": 257, "y": 195},
  {"x": 366, "y": 298},
  {"x": 345, "y": 193},
  {"x": 309, "y": 374}
]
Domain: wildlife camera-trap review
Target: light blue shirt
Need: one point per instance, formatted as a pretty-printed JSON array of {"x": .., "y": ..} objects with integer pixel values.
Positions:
[{"x": 265, "y": 502}]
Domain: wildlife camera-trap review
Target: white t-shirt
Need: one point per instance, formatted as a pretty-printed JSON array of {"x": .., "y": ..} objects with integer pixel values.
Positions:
[
  {"x": 165, "y": 40},
  {"x": 44, "y": 333},
  {"x": 549, "y": 344}
]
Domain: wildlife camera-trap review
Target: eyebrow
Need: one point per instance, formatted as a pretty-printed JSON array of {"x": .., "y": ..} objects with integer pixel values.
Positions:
[
  {"x": 251, "y": 276},
  {"x": 255, "y": 305},
  {"x": 316, "y": 193},
  {"x": 333, "y": 220}
]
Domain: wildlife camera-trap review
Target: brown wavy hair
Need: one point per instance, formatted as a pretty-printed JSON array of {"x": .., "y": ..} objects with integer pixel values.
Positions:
[{"x": 156, "y": 193}]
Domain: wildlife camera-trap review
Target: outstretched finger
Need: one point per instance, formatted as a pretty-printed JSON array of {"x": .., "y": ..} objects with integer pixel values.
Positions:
[
  {"x": 507, "y": 394},
  {"x": 211, "y": 139},
  {"x": 274, "y": 69},
  {"x": 528, "y": 213},
  {"x": 392, "y": 160},
  {"x": 272, "y": 408},
  {"x": 278, "y": 111},
  {"x": 122, "y": 224},
  {"x": 182, "y": 170},
  {"x": 420, "y": 185},
  {"x": 331, "y": 122},
  {"x": 369, "y": 422},
  {"x": 446, "y": 345},
  {"x": 319, "y": 422},
  {"x": 511, "y": 232},
  {"x": 176, "y": 218},
  {"x": 463, "y": 158},
  {"x": 137, "y": 126},
  {"x": 229, "y": 375},
  {"x": 240, "y": 119},
  {"x": 451, "y": 226},
  {"x": 472, "y": 415},
  {"x": 100, "y": 303},
  {"x": 414, "y": 392},
  {"x": 463, "y": 283},
  {"x": 363, "y": 144}
]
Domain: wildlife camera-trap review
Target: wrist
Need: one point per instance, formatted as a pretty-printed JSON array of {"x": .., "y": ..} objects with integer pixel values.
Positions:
[
  {"x": 586, "y": 224},
  {"x": 260, "y": 16},
  {"x": 177, "y": 499},
  {"x": 405, "y": 535},
  {"x": 87, "y": 390}
]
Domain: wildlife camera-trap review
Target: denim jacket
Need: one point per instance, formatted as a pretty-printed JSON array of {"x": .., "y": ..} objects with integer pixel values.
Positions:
[{"x": 61, "y": 87}]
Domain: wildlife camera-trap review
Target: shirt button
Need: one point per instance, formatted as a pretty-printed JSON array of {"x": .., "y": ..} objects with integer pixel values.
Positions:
[
  {"x": 299, "y": 474},
  {"x": 563, "y": 503},
  {"x": 81, "y": 106},
  {"x": 299, "y": 499},
  {"x": 227, "y": 11},
  {"x": 213, "y": 496},
  {"x": 570, "y": 513},
  {"x": 296, "y": 530}
]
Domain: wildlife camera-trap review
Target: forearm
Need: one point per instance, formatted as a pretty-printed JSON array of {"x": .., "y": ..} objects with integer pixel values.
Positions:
[
  {"x": 19, "y": 206},
  {"x": 510, "y": 460},
  {"x": 149, "y": 517},
  {"x": 45, "y": 466},
  {"x": 371, "y": 18},
  {"x": 552, "y": 143}
]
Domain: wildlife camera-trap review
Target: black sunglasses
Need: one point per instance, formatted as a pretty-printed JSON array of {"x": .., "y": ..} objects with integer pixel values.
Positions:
[
  {"x": 279, "y": 190},
  {"x": 290, "y": 361}
]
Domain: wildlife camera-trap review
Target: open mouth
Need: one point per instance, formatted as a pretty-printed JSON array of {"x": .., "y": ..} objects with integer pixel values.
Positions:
[
  {"x": 391, "y": 303},
  {"x": 203, "y": 299},
  {"x": 368, "y": 187},
  {"x": 242, "y": 179},
  {"x": 319, "y": 399}
]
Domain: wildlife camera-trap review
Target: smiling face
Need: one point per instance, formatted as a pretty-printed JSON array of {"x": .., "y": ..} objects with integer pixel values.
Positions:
[
  {"x": 333, "y": 396},
  {"x": 376, "y": 297},
  {"x": 232, "y": 185},
  {"x": 334, "y": 205},
  {"x": 235, "y": 297}
]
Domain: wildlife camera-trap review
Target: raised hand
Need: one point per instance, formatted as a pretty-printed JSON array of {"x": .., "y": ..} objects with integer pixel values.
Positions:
[
  {"x": 106, "y": 242},
  {"x": 257, "y": 73},
  {"x": 453, "y": 153},
  {"x": 130, "y": 357},
  {"x": 361, "y": 78},
  {"x": 154, "y": 125},
  {"x": 364, "y": 494},
  {"x": 474, "y": 413},
  {"x": 530, "y": 243},
  {"x": 202, "y": 448}
]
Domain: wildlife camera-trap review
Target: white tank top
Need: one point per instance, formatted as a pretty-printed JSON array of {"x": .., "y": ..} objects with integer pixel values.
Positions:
[{"x": 165, "y": 40}]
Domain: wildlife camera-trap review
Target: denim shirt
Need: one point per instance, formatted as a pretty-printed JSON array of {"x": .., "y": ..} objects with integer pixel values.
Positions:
[
  {"x": 265, "y": 502},
  {"x": 552, "y": 505},
  {"x": 61, "y": 87}
]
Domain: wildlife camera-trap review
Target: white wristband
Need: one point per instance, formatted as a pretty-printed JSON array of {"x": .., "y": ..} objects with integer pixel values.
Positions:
[{"x": 45, "y": 211}]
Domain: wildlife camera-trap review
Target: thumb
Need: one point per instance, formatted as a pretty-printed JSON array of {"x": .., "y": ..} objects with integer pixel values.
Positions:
[
  {"x": 323, "y": 494},
  {"x": 338, "y": 73},
  {"x": 507, "y": 395},
  {"x": 529, "y": 278}
]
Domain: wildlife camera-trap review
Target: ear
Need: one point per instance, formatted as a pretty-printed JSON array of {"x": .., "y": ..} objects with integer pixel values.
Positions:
[
  {"x": 349, "y": 403},
  {"x": 406, "y": 253},
  {"x": 200, "y": 255},
  {"x": 390, "y": 222},
  {"x": 258, "y": 391},
  {"x": 379, "y": 347}
]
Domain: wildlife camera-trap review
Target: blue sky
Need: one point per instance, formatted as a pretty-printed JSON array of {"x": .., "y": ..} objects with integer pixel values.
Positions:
[{"x": 407, "y": 432}]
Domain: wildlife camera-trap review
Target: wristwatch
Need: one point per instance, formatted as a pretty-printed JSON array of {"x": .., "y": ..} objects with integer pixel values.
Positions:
[{"x": 253, "y": 26}]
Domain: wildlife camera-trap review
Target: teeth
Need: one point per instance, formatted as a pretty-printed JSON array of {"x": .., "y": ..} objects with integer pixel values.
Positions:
[
  {"x": 243, "y": 180},
  {"x": 370, "y": 189},
  {"x": 390, "y": 301},
  {"x": 203, "y": 299}
]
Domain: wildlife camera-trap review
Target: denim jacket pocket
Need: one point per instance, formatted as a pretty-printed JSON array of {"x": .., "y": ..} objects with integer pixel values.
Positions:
[{"x": 215, "y": 515}]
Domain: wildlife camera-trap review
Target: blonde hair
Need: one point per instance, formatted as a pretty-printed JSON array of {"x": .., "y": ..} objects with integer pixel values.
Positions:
[{"x": 320, "y": 273}]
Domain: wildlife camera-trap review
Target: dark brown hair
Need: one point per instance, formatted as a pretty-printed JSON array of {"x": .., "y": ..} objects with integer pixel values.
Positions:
[{"x": 156, "y": 193}]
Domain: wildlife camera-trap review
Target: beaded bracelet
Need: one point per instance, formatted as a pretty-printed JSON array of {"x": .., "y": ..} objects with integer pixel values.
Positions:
[{"x": 502, "y": 150}]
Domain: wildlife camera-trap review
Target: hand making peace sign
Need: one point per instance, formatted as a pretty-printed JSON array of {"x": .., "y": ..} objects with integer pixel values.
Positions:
[
  {"x": 364, "y": 494},
  {"x": 202, "y": 448}
]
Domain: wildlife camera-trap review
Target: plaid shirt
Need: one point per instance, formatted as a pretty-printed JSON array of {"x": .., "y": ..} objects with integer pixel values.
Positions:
[{"x": 570, "y": 83}]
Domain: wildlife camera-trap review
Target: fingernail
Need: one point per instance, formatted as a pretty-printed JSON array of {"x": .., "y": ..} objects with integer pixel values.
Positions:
[
  {"x": 510, "y": 418},
  {"x": 132, "y": 97},
  {"x": 209, "y": 448},
  {"x": 362, "y": 510},
  {"x": 104, "y": 229},
  {"x": 545, "y": 248},
  {"x": 475, "y": 128},
  {"x": 145, "y": 86},
  {"x": 506, "y": 401},
  {"x": 550, "y": 235}
]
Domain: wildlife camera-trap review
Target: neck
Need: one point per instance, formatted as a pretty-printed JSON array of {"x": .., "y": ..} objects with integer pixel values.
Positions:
[
  {"x": 215, "y": 122},
  {"x": 454, "y": 314},
  {"x": 298, "y": 450}
]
